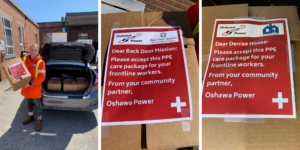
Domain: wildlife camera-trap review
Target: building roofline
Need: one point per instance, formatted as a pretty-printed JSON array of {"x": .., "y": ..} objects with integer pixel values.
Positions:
[
  {"x": 19, "y": 7},
  {"x": 82, "y": 13},
  {"x": 51, "y": 22}
]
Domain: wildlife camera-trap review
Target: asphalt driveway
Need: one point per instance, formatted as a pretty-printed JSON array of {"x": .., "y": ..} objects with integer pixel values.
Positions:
[{"x": 72, "y": 130}]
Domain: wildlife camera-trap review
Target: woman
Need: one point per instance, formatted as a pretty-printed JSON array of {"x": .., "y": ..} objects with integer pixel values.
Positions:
[{"x": 32, "y": 90}]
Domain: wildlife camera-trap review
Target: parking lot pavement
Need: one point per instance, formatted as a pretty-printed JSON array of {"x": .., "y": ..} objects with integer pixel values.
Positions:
[{"x": 71, "y": 130}]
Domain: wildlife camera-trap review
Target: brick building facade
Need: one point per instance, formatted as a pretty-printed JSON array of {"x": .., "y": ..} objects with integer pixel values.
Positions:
[
  {"x": 75, "y": 24},
  {"x": 49, "y": 27},
  {"x": 90, "y": 31},
  {"x": 82, "y": 25},
  {"x": 18, "y": 31}
]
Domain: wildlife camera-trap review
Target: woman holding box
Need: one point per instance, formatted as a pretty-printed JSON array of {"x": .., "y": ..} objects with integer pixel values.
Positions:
[{"x": 32, "y": 90}]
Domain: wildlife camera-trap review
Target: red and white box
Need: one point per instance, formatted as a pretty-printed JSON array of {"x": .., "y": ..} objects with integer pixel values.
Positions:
[
  {"x": 54, "y": 80},
  {"x": 69, "y": 85},
  {"x": 81, "y": 80},
  {"x": 54, "y": 84},
  {"x": 16, "y": 73},
  {"x": 69, "y": 81}
]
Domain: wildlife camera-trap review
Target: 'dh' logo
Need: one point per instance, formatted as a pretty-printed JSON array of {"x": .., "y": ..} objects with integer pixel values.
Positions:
[
  {"x": 271, "y": 29},
  {"x": 129, "y": 38},
  {"x": 163, "y": 34}
]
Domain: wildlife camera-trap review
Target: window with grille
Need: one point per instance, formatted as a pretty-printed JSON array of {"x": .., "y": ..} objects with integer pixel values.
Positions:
[
  {"x": 83, "y": 36},
  {"x": 35, "y": 38},
  {"x": 8, "y": 36},
  {"x": 21, "y": 38}
]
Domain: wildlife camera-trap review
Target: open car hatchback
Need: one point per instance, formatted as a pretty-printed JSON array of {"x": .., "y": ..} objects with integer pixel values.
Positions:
[{"x": 72, "y": 59}]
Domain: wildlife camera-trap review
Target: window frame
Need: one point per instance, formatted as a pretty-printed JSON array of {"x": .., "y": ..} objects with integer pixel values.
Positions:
[
  {"x": 5, "y": 38},
  {"x": 22, "y": 38},
  {"x": 35, "y": 38}
]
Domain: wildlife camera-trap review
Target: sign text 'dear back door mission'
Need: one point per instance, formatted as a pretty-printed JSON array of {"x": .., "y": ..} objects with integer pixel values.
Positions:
[
  {"x": 146, "y": 77},
  {"x": 250, "y": 72}
]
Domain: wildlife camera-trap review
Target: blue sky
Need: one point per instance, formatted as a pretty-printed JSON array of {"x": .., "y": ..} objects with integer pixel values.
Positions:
[{"x": 53, "y": 10}]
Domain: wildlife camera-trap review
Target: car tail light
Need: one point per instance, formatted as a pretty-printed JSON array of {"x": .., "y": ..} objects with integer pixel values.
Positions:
[{"x": 96, "y": 81}]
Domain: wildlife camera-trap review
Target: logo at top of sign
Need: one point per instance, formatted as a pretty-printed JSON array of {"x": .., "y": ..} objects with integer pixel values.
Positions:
[
  {"x": 129, "y": 37},
  {"x": 233, "y": 30},
  {"x": 163, "y": 34},
  {"x": 271, "y": 29}
]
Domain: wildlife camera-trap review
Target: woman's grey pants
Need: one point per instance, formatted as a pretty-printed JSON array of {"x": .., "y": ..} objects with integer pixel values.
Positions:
[{"x": 38, "y": 105}]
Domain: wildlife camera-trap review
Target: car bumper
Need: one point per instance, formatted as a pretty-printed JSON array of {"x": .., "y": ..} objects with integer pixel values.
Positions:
[
  {"x": 90, "y": 108},
  {"x": 87, "y": 103}
]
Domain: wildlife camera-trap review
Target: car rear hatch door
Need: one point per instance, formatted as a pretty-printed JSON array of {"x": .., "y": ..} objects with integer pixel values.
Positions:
[{"x": 68, "y": 51}]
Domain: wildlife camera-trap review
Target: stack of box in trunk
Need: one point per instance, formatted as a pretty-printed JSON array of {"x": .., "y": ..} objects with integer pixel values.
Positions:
[{"x": 67, "y": 84}]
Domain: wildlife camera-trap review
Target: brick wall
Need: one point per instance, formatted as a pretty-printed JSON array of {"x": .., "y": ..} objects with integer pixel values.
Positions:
[
  {"x": 17, "y": 18},
  {"x": 91, "y": 31},
  {"x": 49, "y": 27},
  {"x": 166, "y": 5}
]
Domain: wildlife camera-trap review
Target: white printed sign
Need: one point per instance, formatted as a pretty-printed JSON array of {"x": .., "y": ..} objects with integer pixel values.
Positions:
[
  {"x": 145, "y": 38},
  {"x": 249, "y": 30}
]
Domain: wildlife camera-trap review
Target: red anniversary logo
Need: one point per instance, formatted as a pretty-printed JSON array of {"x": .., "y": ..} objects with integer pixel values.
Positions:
[
  {"x": 233, "y": 30},
  {"x": 130, "y": 38}
]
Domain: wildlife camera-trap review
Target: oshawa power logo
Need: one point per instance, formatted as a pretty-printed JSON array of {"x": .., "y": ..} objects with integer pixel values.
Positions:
[
  {"x": 129, "y": 38},
  {"x": 233, "y": 30}
]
